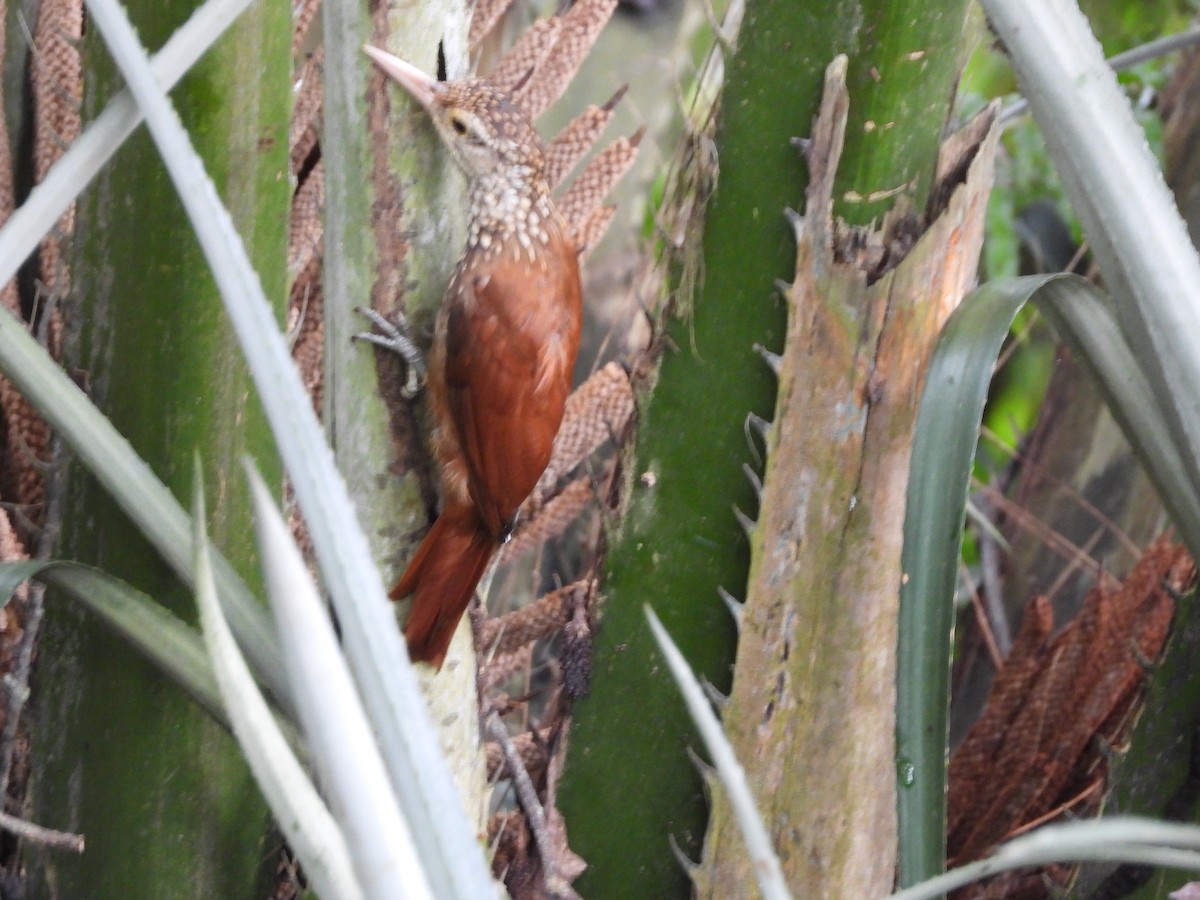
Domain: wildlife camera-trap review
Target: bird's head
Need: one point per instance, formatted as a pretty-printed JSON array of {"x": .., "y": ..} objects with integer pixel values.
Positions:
[{"x": 486, "y": 132}]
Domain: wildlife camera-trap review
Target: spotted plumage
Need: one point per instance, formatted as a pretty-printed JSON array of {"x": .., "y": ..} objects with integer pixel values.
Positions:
[{"x": 504, "y": 346}]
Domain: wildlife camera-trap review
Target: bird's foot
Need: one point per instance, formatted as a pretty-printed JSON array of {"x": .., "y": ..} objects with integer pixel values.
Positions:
[{"x": 396, "y": 337}]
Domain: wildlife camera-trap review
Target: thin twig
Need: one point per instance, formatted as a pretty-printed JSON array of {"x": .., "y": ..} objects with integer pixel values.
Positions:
[
  {"x": 534, "y": 814},
  {"x": 1059, "y": 810},
  {"x": 1073, "y": 566},
  {"x": 981, "y": 616},
  {"x": 62, "y": 840},
  {"x": 990, "y": 561},
  {"x": 1070, "y": 490},
  {"x": 1054, "y": 540}
]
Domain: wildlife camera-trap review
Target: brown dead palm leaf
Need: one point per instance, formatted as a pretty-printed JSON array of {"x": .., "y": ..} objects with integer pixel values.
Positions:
[
  {"x": 578, "y": 138},
  {"x": 1038, "y": 750},
  {"x": 535, "y": 621},
  {"x": 579, "y": 28},
  {"x": 537, "y": 70},
  {"x": 599, "y": 411},
  {"x": 581, "y": 204},
  {"x": 56, "y": 80}
]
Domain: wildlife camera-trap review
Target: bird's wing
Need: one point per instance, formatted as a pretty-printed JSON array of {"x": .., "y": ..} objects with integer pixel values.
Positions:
[{"x": 510, "y": 351}]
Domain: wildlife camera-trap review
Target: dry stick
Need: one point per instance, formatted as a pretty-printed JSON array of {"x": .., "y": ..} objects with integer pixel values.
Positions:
[
  {"x": 17, "y": 681},
  {"x": 1070, "y": 490},
  {"x": 62, "y": 840},
  {"x": 1071, "y": 568},
  {"x": 1055, "y": 541},
  {"x": 993, "y": 595},
  {"x": 982, "y": 618},
  {"x": 1059, "y": 810},
  {"x": 527, "y": 796}
]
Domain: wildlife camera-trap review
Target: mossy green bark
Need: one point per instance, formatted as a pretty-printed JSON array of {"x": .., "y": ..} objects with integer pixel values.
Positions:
[
  {"x": 812, "y": 710},
  {"x": 395, "y": 227},
  {"x": 162, "y": 794},
  {"x": 629, "y": 788},
  {"x": 903, "y": 71}
]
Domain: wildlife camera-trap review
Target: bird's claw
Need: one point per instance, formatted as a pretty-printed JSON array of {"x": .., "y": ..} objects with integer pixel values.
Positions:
[{"x": 396, "y": 337}]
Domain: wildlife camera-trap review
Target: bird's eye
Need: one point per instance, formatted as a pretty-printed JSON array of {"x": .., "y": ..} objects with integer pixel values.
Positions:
[{"x": 459, "y": 126}]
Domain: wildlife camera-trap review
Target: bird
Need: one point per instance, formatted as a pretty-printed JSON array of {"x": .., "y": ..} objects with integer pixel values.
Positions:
[{"x": 504, "y": 346}]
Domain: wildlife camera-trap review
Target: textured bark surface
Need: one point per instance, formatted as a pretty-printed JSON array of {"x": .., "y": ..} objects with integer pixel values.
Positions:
[{"x": 811, "y": 714}]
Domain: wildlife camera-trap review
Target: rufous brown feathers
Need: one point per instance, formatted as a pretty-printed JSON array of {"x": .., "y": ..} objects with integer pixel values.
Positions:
[{"x": 442, "y": 577}]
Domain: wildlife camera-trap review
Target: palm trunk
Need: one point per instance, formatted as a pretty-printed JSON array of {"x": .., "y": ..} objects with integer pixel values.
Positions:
[
  {"x": 160, "y": 791},
  {"x": 681, "y": 541}
]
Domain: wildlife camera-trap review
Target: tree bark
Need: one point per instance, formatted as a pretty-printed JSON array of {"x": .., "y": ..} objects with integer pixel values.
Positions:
[{"x": 812, "y": 712}]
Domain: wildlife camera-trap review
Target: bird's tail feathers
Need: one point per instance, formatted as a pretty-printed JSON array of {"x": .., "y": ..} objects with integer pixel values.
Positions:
[{"x": 442, "y": 576}]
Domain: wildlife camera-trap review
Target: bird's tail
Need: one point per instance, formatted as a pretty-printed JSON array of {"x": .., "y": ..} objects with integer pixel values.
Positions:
[{"x": 443, "y": 575}]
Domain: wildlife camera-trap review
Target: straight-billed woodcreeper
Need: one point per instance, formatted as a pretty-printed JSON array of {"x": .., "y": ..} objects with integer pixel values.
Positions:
[{"x": 504, "y": 347}]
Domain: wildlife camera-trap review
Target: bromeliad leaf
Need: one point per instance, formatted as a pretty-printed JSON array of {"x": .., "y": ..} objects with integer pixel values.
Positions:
[
  {"x": 155, "y": 632},
  {"x": 947, "y": 432}
]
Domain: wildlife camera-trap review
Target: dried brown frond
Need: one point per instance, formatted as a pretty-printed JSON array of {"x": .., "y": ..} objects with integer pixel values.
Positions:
[
  {"x": 599, "y": 410},
  {"x": 306, "y": 324},
  {"x": 567, "y": 865},
  {"x": 597, "y": 178},
  {"x": 501, "y": 667},
  {"x": 593, "y": 228},
  {"x": 26, "y": 436},
  {"x": 529, "y": 52},
  {"x": 306, "y": 112},
  {"x": 484, "y": 18},
  {"x": 574, "y": 141},
  {"x": 575, "y": 654},
  {"x": 12, "y": 549},
  {"x": 516, "y": 860},
  {"x": 305, "y": 229},
  {"x": 579, "y": 29},
  {"x": 16, "y": 653},
  {"x": 306, "y": 226},
  {"x": 551, "y": 520},
  {"x": 973, "y": 757},
  {"x": 8, "y": 296},
  {"x": 26, "y": 453},
  {"x": 57, "y": 82},
  {"x": 306, "y": 232},
  {"x": 534, "y": 622},
  {"x": 20, "y": 480},
  {"x": 1037, "y": 750},
  {"x": 536, "y": 71},
  {"x": 533, "y": 749},
  {"x": 57, "y": 89},
  {"x": 303, "y": 14}
]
